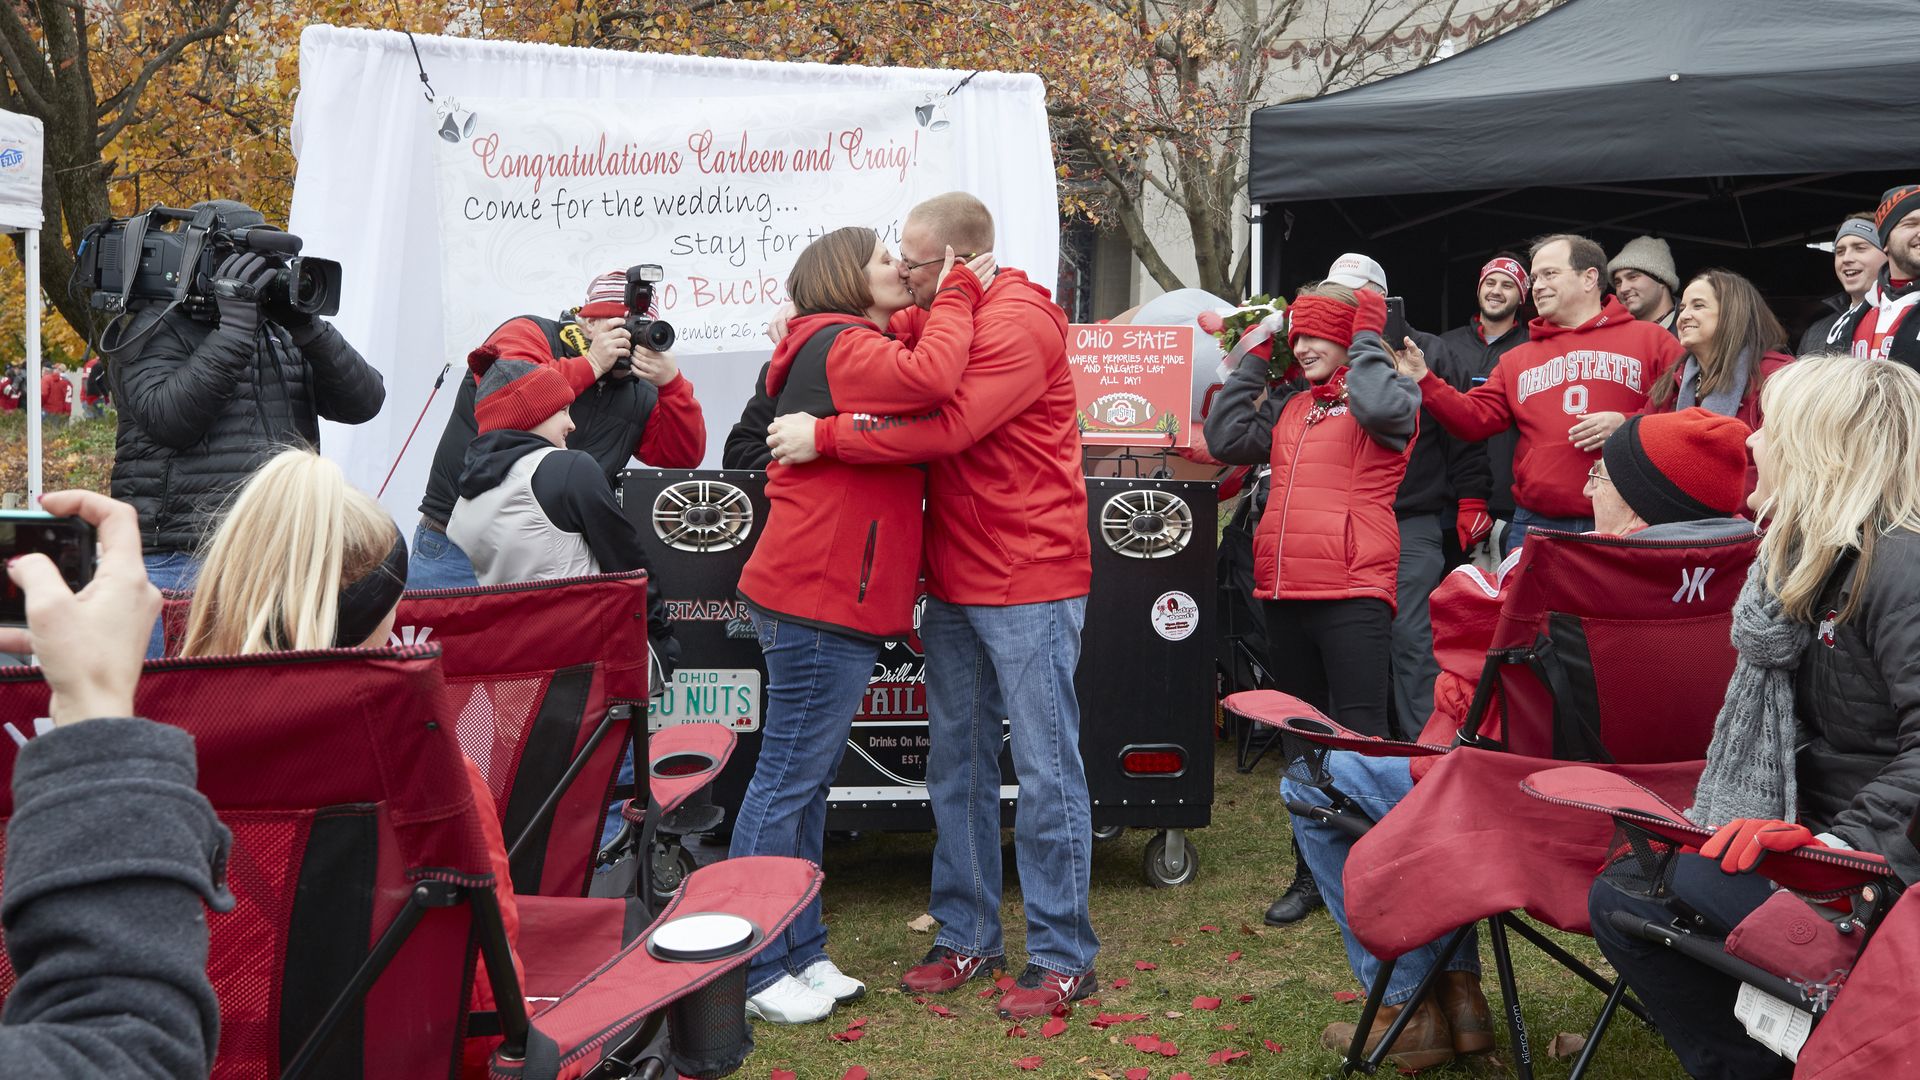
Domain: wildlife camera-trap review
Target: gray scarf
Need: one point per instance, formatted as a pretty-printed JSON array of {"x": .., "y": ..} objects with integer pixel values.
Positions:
[
  {"x": 1750, "y": 763},
  {"x": 1721, "y": 402}
]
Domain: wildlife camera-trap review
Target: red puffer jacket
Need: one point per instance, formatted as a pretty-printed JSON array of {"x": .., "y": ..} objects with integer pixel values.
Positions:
[
  {"x": 842, "y": 543},
  {"x": 1329, "y": 532}
]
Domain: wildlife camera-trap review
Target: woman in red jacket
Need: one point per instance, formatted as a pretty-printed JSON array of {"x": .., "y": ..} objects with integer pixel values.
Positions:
[
  {"x": 1327, "y": 549},
  {"x": 836, "y": 570},
  {"x": 1733, "y": 344}
]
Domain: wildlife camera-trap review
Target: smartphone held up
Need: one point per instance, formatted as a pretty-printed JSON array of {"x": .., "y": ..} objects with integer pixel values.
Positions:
[{"x": 68, "y": 541}]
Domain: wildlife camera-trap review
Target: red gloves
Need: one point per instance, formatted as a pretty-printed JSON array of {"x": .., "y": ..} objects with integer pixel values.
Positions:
[
  {"x": 1472, "y": 523},
  {"x": 1372, "y": 314},
  {"x": 1743, "y": 842}
]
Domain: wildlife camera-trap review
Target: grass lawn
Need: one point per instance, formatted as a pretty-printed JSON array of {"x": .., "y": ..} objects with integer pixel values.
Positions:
[
  {"x": 877, "y": 883},
  {"x": 74, "y": 456}
]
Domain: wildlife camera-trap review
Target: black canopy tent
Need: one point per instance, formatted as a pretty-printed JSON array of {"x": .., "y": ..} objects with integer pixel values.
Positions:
[{"x": 1737, "y": 130}]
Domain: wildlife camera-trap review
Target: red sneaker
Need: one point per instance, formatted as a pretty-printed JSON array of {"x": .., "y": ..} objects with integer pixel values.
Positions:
[
  {"x": 1039, "y": 992},
  {"x": 943, "y": 970}
]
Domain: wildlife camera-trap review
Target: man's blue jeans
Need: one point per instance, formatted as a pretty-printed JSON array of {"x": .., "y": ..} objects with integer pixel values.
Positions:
[
  {"x": 168, "y": 570},
  {"x": 1017, "y": 663},
  {"x": 815, "y": 680},
  {"x": 1524, "y": 519},
  {"x": 436, "y": 562},
  {"x": 1377, "y": 785}
]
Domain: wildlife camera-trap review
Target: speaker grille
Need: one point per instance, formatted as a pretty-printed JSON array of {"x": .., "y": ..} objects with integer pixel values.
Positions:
[
  {"x": 702, "y": 515},
  {"x": 1146, "y": 524}
]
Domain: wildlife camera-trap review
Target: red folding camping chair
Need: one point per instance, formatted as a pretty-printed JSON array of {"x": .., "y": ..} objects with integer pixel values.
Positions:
[
  {"x": 1606, "y": 649},
  {"x": 364, "y": 889},
  {"x": 1808, "y": 967},
  {"x": 545, "y": 679}
]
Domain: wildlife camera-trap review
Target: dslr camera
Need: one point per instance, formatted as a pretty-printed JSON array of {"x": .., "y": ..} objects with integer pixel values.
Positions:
[
  {"x": 655, "y": 334},
  {"x": 171, "y": 255}
]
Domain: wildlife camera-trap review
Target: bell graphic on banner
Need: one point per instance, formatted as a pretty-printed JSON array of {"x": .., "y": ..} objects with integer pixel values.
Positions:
[
  {"x": 456, "y": 123},
  {"x": 932, "y": 115}
]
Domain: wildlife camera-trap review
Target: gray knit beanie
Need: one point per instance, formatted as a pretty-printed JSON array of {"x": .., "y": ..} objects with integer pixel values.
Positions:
[{"x": 1651, "y": 256}]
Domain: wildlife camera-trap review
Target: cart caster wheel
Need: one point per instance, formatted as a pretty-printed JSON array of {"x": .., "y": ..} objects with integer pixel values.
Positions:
[
  {"x": 1165, "y": 868},
  {"x": 1103, "y": 833},
  {"x": 671, "y": 866}
]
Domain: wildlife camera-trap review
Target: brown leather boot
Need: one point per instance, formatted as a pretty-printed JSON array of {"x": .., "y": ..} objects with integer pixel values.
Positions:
[
  {"x": 1426, "y": 1042},
  {"x": 1468, "y": 1015}
]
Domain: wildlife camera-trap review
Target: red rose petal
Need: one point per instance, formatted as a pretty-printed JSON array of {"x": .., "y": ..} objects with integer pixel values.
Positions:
[
  {"x": 1209, "y": 929},
  {"x": 858, "y": 1072},
  {"x": 857, "y": 1023},
  {"x": 1138, "y": 1074},
  {"x": 1016, "y": 1032},
  {"x": 988, "y": 992},
  {"x": 849, "y": 1035},
  {"x": 1028, "y": 1064},
  {"x": 1226, "y": 1027},
  {"x": 1345, "y": 996},
  {"x": 1207, "y": 1003},
  {"x": 1144, "y": 965},
  {"x": 1232, "y": 956},
  {"x": 918, "y": 1000},
  {"x": 1122, "y": 984},
  {"x": 1055, "y": 1026},
  {"x": 940, "y": 1010},
  {"x": 1168, "y": 1049},
  {"x": 783, "y": 1074},
  {"x": 1273, "y": 1046},
  {"x": 1109, "y": 1019},
  {"x": 1004, "y": 983},
  {"x": 1148, "y": 1043},
  {"x": 1244, "y": 998},
  {"x": 1221, "y": 1057}
]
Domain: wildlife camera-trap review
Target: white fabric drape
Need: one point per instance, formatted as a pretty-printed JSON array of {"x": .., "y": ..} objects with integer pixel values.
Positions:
[{"x": 364, "y": 195}]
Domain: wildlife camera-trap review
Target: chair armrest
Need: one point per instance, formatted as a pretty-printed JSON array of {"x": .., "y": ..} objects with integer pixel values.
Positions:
[
  {"x": 1294, "y": 717},
  {"x": 611, "y": 1003}
]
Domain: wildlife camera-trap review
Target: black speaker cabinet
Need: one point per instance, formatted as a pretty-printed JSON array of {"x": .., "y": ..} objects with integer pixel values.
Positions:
[{"x": 1145, "y": 680}]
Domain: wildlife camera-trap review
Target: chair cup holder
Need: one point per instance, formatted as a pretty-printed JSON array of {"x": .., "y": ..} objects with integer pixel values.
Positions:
[
  {"x": 684, "y": 763},
  {"x": 707, "y": 1029}
]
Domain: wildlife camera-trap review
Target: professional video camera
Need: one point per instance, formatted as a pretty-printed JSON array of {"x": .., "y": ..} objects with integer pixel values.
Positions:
[
  {"x": 122, "y": 261},
  {"x": 655, "y": 334}
]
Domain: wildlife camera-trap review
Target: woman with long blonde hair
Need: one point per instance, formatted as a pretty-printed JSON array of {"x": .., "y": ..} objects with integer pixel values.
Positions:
[
  {"x": 1818, "y": 741},
  {"x": 301, "y": 560},
  {"x": 304, "y": 560}
]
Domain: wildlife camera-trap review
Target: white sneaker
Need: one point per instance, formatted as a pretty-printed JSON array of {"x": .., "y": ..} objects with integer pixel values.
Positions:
[
  {"x": 790, "y": 1001},
  {"x": 823, "y": 976}
]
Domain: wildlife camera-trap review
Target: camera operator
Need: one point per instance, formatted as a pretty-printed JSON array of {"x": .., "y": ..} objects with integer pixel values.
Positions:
[
  {"x": 629, "y": 402},
  {"x": 213, "y": 385}
]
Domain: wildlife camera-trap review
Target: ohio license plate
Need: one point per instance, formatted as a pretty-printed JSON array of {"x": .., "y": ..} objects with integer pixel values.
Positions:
[{"x": 729, "y": 696}]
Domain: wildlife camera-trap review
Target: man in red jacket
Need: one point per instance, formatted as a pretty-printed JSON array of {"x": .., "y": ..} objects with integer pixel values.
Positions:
[
  {"x": 629, "y": 402},
  {"x": 1008, "y": 565},
  {"x": 56, "y": 394},
  {"x": 1586, "y": 368}
]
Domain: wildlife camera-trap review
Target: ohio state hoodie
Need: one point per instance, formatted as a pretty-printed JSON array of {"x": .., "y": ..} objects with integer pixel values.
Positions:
[{"x": 1543, "y": 387}]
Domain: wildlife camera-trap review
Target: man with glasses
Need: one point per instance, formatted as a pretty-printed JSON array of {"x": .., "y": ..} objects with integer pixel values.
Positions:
[
  {"x": 1008, "y": 565},
  {"x": 1587, "y": 366}
]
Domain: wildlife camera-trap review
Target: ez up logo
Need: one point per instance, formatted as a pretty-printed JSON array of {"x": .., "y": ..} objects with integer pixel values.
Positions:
[
  {"x": 1693, "y": 584},
  {"x": 409, "y": 635}
]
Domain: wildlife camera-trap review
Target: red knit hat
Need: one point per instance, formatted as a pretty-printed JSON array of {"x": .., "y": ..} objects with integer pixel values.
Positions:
[
  {"x": 1321, "y": 317},
  {"x": 606, "y": 297},
  {"x": 1680, "y": 466},
  {"x": 517, "y": 394}
]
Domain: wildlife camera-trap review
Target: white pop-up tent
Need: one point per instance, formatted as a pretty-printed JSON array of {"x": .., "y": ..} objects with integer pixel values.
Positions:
[
  {"x": 22, "y": 158},
  {"x": 426, "y": 210}
]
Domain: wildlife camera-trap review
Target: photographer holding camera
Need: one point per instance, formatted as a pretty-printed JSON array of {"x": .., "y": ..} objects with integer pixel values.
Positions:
[
  {"x": 214, "y": 378},
  {"x": 630, "y": 401}
]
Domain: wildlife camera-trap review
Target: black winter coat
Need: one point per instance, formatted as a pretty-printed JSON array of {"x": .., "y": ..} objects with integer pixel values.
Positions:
[
  {"x": 1857, "y": 695},
  {"x": 1820, "y": 337},
  {"x": 202, "y": 408},
  {"x": 1442, "y": 470},
  {"x": 1477, "y": 358}
]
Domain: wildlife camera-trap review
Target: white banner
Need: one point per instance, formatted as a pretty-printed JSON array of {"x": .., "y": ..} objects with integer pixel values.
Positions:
[
  {"x": 722, "y": 193},
  {"x": 21, "y": 158}
]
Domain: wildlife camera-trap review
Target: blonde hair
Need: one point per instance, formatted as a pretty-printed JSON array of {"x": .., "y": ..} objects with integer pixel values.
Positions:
[
  {"x": 271, "y": 574},
  {"x": 1842, "y": 443},
  {"x": 1332, "y": 290}
]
